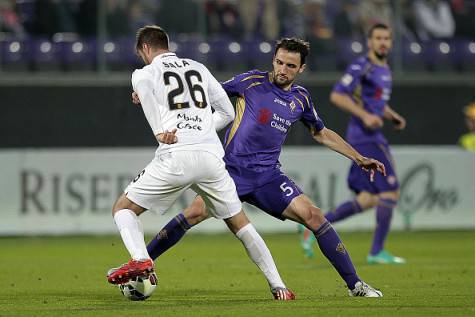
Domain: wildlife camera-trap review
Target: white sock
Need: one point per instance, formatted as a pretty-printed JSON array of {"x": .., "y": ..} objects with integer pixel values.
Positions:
[
  {"x": 130, "y": 230},
  {"x": 260, "y": 254}
]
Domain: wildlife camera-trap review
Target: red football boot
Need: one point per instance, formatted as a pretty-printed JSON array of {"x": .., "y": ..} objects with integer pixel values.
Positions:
[
  {"x": 130, "y": 270},
  {"x": 283, "y": 294}
]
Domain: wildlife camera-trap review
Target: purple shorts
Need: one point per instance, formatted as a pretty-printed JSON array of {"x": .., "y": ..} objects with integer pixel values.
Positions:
[
  {"x": 271, "y": 191},
  {"x": 358, "y": 180}
]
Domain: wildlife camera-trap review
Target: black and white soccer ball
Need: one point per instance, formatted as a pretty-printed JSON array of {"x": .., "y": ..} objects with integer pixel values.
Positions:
[{"x": 140, "y": 287}]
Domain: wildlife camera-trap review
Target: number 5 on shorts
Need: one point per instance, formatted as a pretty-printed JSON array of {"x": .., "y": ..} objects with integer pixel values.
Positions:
[{"x": 286, "y": 189}]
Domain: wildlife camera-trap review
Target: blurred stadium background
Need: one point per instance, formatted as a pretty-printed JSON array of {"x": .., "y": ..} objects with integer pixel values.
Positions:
[{"x": 71, "y": 139}]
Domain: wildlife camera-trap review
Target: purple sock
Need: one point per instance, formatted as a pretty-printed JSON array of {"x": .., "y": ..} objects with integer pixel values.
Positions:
[
  {"x": 343, "y": 211},
  {"x": 168, "y": 236},
  {"x": 384, "y": 213},
  {"x": 334, "y": 250}
]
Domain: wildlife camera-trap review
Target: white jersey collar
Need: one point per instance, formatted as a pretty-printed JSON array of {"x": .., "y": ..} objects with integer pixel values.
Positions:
[{"x": 163, "y": 55}]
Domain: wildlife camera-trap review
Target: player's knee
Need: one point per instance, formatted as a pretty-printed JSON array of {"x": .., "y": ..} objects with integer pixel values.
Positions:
[
  {"x": 195, "y": 216},
  {"x": 373, "y": 201},
  {"x": 313, "y": 217},
  {"x": 124, "y": 203},
  {"x": 237, "y": 222},
  {"x": 196, "y": 212},
  {"x": 367, "y": 200},
  {"x": 118, "y": 205},
  {"x": 390, "y": 195}
]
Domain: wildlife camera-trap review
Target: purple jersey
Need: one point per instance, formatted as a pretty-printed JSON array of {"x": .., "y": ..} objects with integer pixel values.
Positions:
[
  {"x": 264, "y": 114},
  {"x": 369, "y": 85}
]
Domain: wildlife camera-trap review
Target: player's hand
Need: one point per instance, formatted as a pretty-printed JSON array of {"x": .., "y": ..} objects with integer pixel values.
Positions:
[
  {"x": 167, "y": 137},
  {"x": 371, "y": 165},
  {"x": 372, "y": 121},
  {"x": 399, "y": 122},
  {"x": 135, "y": 98}
]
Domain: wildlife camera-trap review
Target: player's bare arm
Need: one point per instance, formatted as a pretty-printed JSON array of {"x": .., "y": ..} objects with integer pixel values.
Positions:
[
  {"x": 333, "y": 141},
  {"x": 345, "y": 103},
  {"x": 398, "y": 121}
]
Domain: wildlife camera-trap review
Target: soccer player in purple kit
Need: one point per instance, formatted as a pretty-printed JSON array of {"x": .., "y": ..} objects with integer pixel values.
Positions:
[
  {"x": 268, "y": 103},
  {"x": 364, "y": 92}
]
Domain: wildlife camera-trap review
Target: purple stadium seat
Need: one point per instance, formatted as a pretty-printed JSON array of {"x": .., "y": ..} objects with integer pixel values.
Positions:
[
  {"x": 464, "y": 55},
  {"x": 348, "y": 49},
  {"x": 226, "y": 54},
  {"x": 439, "y": 55},
  {"x": 128, "y": 56},
  {"x": 43, "y": 54},
  {"x": 413, "y": 58},
  {"x": 190, "y": 46},
  {"x": 14, "y": 54},
  {"x": 258, "y": 54},
  {"x": 118, "y": 54},
  {"x": 76, "y": 53},
  {"x": 111, "y": 50}
]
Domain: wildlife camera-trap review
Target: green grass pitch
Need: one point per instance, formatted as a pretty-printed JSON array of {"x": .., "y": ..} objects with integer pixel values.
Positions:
[{"x": 211, "y": 275}]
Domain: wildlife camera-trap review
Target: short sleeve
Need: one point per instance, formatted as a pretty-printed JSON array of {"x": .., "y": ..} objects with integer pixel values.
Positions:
[
  {"x": 141, "y": 76},
  {"x": 310, "y": 118},
  {"x": 238, "y": 84},
  {"x": 142, "y": 83},
  {"x": 215, "y": 90},
  {"x": 350, "y": 80}
]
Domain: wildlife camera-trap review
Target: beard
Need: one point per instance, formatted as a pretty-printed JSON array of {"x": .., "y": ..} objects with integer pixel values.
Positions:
[
  {"x": 380, "y": 56},
  {"x": 281, "y": 82}
]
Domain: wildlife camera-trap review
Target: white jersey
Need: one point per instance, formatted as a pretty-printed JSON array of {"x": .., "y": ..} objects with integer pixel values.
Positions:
[{"x": 178, "y": 93}]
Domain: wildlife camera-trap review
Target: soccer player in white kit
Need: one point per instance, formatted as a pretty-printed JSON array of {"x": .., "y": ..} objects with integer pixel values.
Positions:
[{"x": 176, "y": 95}]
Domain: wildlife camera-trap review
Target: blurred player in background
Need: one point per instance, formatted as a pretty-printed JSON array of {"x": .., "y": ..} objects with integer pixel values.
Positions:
[
  {"x": 268, "y": 103},
  {"x": 364, "y": 92},
  {"x": 467, "y": 141},
  {"x": 176, "y": 96}
]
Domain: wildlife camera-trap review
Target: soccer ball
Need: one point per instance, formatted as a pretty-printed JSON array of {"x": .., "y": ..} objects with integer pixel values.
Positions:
[{"x": 139, "y": 288}]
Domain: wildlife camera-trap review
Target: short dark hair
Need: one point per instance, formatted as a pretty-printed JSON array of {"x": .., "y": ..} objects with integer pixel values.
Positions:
[
  {"x": 152, "y": 35},
  {"x": 294, "y": 44},
  {"x": 377, "y": 26}
]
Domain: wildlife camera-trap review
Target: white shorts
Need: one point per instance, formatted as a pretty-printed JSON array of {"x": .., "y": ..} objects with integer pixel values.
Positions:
[{"x": 167, "y": 176}]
